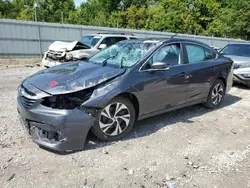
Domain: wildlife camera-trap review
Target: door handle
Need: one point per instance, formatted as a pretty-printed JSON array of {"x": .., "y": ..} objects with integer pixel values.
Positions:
[
  {"x": 212, "y": 69},
  {"x": 183, "y": 74}
]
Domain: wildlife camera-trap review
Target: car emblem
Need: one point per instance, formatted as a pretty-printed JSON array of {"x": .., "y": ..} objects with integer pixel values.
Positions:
[{"x": 53, "y": 83}]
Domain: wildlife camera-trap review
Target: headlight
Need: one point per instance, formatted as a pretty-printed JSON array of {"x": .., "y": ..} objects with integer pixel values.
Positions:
[
  {"x": 69, "y": 56},
  {"x": 68, "y": 101},
  {"x": 246, "y": 75},
  {"x": 245, "y": 65},
  {"x": 77, "y": 56}
]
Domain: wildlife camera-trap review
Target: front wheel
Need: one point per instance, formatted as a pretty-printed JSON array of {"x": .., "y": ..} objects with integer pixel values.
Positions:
[
  {"x": 115, "y": 120},
  {"x": 216, "y": 94}
]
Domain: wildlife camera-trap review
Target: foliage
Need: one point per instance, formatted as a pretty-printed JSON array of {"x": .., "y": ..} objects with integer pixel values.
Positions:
[{"x": 222, "y": 18}]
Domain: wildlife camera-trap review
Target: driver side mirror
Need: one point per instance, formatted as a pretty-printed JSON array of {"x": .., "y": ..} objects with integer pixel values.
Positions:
[
  {"x": 159, "y": 66},
  {"x": 102, "y": 46}
]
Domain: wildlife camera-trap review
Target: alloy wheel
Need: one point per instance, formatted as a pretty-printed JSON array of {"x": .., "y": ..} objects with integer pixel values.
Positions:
[
  {"x": 217, "y": 94},
  {"x": 114, "y": 119}
]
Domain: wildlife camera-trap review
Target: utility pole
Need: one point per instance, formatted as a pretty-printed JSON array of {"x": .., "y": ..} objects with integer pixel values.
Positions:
[
  {"x": 62, "y": 16},
  {"x": 35, "y": 10}
]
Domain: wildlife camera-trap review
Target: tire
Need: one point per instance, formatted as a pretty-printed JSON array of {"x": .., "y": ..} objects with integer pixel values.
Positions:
[
  {"x": 216, "y": 94},
  {"x": 109, "y": 125}
]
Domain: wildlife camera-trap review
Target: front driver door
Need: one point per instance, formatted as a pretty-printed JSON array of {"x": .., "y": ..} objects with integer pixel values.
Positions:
[{"x": 166, "y": 88}]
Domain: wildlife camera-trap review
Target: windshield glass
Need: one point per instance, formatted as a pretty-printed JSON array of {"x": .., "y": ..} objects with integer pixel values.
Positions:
[
  {"x": 127, "y": 53},
  {"x": 90, "y": 41},
  {"x": 237, "y": 49}
]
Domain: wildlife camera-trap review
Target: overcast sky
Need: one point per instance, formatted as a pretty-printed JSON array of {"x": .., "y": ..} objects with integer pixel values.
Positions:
[{"x": 78, "y": 2}]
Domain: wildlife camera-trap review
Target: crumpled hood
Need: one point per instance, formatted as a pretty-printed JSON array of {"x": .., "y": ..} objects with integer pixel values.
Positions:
[
  {"x": 64, "y": 46},
  {"x": 238, "y": 59},
  {"x": 71, "y": 77}
]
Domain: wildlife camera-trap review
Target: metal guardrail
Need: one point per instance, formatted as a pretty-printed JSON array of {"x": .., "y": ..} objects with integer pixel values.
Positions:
[{"x": 31, "y": 39}]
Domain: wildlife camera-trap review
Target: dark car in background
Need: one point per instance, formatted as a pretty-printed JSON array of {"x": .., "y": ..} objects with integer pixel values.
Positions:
[
  {"x": 240, "y": 54},
  {"x": 128, "y": 81}
]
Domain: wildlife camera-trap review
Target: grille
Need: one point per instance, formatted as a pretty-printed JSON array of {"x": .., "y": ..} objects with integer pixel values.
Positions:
[
  {"x": 26, "y": 97},
  {"x": 55, "y": 54},
  {"x": 26, "y": 102},
  {"x": 27, "y": 91}
]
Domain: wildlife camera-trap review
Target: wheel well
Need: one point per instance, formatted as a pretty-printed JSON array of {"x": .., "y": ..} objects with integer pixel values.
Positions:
[
  {"x": 133, "y": 100},
  {"x": 223, "y": 80}
]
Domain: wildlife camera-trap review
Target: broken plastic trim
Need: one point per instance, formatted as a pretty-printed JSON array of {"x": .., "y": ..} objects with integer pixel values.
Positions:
[
  {"x": 89, "y": 110},
  {"x": 68, "y": 101}
]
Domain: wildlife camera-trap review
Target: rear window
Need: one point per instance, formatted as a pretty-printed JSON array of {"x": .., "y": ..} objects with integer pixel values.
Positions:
[
  {"x": 198, "y": 53},
  {"x": 237, "y": 49}
]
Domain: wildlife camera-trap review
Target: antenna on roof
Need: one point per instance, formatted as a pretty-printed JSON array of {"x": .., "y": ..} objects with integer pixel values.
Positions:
[{"x": 173, "y": 35}]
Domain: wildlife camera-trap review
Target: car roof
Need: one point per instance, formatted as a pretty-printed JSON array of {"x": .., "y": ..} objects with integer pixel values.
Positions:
[
  {"x": 113, "y": 35},
  {"x": 187, "y": 40},
  {"x": 240, "y": 43},
  {"x": 168, "y": 40}
]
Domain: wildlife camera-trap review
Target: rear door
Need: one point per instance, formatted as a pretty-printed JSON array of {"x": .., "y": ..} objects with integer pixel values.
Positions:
[{"x": 202, "y": 68}]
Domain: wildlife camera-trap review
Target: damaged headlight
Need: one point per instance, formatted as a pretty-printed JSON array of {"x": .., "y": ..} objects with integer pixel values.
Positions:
[
  {"x": 69, "y": 56},
  {"x": 68, "y": 101}
]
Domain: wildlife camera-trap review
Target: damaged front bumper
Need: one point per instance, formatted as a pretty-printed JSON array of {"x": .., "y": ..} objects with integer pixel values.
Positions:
[
  {"x": 47, "y": 63},
  {"x": 59, "y": 130}
]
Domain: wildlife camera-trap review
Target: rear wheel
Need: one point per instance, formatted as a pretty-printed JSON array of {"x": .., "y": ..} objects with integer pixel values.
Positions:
[
  {"x": 216, "y": 94},
  {"x": 115, "y": 120}
]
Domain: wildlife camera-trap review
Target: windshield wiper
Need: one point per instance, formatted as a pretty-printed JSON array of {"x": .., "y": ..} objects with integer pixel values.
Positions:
[
  {"x": 121, "y": 64},
  {"x": 122, "y": 59},
  {"x": 104, "y": 63}
]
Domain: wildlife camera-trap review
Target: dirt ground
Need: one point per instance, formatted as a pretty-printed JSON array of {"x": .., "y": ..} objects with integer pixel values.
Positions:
[{"x": 191, "y": 147}]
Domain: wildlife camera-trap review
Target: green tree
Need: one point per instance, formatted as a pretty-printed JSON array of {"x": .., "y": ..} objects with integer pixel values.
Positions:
[
  {"x": 53, "y": 10},
  {"x": 226, "y": 18},
  {"x": 8, "y": 10}
]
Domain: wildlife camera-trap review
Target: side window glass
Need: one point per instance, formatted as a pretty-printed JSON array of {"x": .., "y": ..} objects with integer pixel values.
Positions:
[
  {"x": 209, "y": 54},
  {"x": 112, "y": 40},
  {"x": 107, "y": 41},
  {"x": 198, "y": 54},
  {"x": 195, "y": 53},
  {"x": 168, "y": 54},
  {"x": 118, "y": 39}
]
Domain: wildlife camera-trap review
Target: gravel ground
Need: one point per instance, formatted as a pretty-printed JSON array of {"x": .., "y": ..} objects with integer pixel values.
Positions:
[
  {"x": 191, "y": 147},
  {"x": 19, "y": 62}
]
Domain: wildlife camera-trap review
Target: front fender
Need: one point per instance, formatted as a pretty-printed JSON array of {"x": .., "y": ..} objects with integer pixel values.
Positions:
[
  {"x": 102, "y": 95},
  {"x": 81, "y": 55}
]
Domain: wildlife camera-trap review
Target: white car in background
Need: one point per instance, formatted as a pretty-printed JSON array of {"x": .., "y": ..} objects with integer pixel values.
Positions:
[{"x": 61, "y": 52}]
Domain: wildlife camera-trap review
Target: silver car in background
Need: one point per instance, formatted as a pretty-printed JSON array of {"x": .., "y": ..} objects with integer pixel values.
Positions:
[{"x": 240, "y": 54}]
